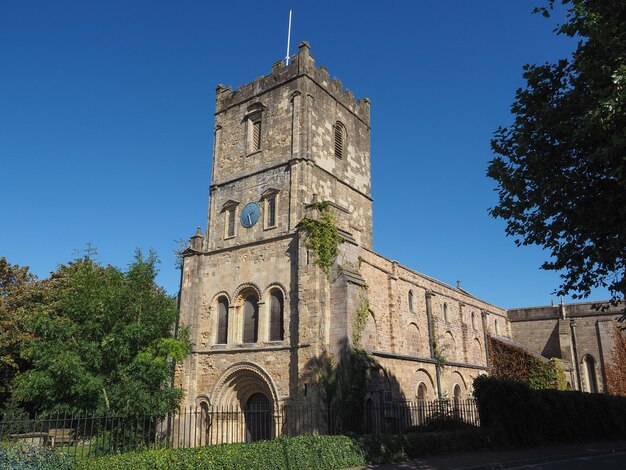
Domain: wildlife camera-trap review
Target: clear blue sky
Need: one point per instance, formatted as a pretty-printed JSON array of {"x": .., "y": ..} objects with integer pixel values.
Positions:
[{"x": 106, "y": 118}]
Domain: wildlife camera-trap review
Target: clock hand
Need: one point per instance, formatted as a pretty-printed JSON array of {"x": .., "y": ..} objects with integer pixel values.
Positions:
[{"x": 249, "y": 221}]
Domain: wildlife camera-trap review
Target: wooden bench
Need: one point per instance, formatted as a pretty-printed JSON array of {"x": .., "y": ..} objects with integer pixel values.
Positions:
[
  {"x": 39, "y": 438},
  {"x": 60, "y": 436}
]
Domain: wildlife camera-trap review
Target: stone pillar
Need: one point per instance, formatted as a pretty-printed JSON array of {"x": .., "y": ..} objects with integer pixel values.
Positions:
[
  {"x": 483, "y": 316},
  {"x": 263, "y": 322},
  {"x": 233, "y": 325}
]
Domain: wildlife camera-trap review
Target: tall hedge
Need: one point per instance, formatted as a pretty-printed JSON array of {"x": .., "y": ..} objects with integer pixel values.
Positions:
[{"x": 516, "y": 415}]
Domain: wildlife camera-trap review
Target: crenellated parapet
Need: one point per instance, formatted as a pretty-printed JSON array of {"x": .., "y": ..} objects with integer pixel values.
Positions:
[{"x": 301, "y": 64}]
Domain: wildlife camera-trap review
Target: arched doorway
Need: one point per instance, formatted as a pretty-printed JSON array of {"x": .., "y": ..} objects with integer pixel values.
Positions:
[
  {"x": 248, "y": 403},
  {"x": 258, "y": 414}
]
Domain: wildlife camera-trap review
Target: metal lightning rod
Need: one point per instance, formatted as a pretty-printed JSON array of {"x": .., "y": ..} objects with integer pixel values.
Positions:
[{"x": 288, "y": 40}]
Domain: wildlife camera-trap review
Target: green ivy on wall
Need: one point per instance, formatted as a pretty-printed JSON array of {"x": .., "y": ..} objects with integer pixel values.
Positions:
[
  {"x": 438, "y": 354},
  {"x": 362, "y": 312},
  {"x": 514, "y": 363},
  {"x": 323, "y": 236}
]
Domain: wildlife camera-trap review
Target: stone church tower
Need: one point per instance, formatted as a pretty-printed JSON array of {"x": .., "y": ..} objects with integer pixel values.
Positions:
[{"x": 259, "y": 310}]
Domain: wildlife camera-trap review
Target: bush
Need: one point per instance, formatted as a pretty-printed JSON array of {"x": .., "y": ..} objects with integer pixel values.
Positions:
[
  {"x": 519, "y": 416},
  {"x": 442, "y": 423},
  {"x": 311, "y": 452},
  {"x": 31, "y": 457},
  {"x": 395, "y": 448}
]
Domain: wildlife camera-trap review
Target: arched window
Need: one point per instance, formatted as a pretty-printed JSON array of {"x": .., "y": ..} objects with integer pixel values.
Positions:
[
  {"x": 473, "y": 321},
  {"x": 250, "y": 319},
  {"x": 478, "y": 352},
  {"x": 276, "y": 316},
  {"x": 413, "y": 342},
  {"x": 410, "y": 301},
  {"x": 445, "y": 312},
  {"x": 457, "y": 394},
  {"x": 222, "y": 321},
  {"x": 589, "y": 366},
  {"x": 451, "y": 346},
  {"x": 422, "y": 392},
  {"x": 495, "y": 326},
  {"x": 340, "y": 139}
]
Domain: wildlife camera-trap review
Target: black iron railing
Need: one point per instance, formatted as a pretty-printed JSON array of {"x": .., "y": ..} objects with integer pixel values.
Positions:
[{"x": 86, "y": 436}]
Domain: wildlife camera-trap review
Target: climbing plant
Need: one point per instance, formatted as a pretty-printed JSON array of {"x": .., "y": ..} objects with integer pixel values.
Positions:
[
  {"x": 323, "y": 236},
  {"x": 514, "y": 363},
  {"x": 438, "y": 353},
  {"x": 616, "y": 368},
  {"x": 559, "y": 371},
  {"x": 362, "y": 312}
]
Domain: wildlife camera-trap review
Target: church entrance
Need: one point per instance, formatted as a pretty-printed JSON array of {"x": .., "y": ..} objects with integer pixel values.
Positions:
[{"x": 258, "y": 418}]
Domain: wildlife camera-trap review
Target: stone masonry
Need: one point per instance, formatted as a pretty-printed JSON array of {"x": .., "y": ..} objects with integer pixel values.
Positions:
[{"x": 261, "y": 312}]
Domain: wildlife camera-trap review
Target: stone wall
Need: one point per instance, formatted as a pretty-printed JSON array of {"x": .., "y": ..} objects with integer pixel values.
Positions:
[
  {"x": 403, "y": 334},
  {"x": 571, "y": 332}
]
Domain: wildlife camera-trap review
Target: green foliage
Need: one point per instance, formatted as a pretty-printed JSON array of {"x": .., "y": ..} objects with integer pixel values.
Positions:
[
  {"x": 323, "y": 236},
  {"x": 103, "y": 342},
  {"x": 360, "y": 319},
  {"x": 15, "y": 283},
  {"x": 542, "y": 375},
  {"x": 559, "y": 372},
  {"x": 438, "y": 354},
  {"x": 441, "y": 423},
  {"x": 516, "y": 415},
  {"x": 17, "y": 419},
  {"x": 513, "y": 363},
  {"x": 310, "y": 452},
  {"x": 31, "y": 457},
  {"x": 560, "y": 166},
  {"x": 181, "y": 245}
]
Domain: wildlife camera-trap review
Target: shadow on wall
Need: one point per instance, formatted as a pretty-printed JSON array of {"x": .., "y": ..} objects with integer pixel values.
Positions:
[{"x": 356, "y": 394}]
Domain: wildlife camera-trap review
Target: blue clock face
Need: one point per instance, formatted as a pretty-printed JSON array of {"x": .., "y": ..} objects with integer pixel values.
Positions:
[{"x": 250, "y": 214}]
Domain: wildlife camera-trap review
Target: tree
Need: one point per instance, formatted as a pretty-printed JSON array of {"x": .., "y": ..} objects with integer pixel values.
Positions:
[
  {"x": 561, "y": 166},
  {"x": 102, "y": 342},
  {"x": 14, "y": 288}
]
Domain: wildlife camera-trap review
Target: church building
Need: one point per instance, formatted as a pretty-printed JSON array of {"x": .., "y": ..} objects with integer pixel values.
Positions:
[{"x": 261, "y": 311}]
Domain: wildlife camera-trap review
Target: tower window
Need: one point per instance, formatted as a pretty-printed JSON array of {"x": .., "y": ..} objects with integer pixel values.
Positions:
[
  {"x": 253, "y": 127},
  {"x": 340, "y": 140},
  {"x": 270, "y": 198},
  {"x": 276, "y": 316},
  {"x": 222, "y": 321},
  {"x": 256, "y": 134},
  {"x": 271, "y": 211},
  {"x": 410, "y": 301},
  {"x": 230, "y": 215},
  {"x": 250, "y": 319},
  {"x": 230, "y": 230}
]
